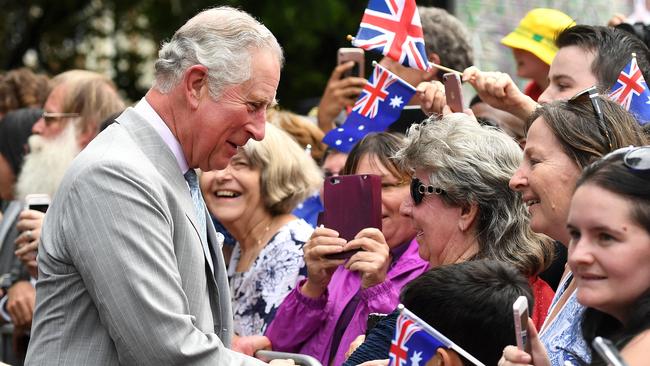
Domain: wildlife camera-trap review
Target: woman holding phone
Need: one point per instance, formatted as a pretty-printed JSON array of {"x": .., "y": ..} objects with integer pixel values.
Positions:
[
  {"x": 463, "y": 210},
  {"x": 334, "y": 302},
  {"x": 609, "y": 255}
]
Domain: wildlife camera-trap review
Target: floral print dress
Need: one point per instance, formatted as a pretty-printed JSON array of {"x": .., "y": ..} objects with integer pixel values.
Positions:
[
  {"x": 562, "y": 336},
  {"x": 257, "y": 293}
]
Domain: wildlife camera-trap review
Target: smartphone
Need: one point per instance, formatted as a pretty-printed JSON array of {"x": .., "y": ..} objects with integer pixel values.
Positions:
[
  {"x": 608, "y": 352},
  {"x": 357, "y": 55},
  {"x": 352, "y": 203},
  {"x": 520, "y": 313},
  {"x": 38, "y": 202},
  {"x": 453, "y": 91}
]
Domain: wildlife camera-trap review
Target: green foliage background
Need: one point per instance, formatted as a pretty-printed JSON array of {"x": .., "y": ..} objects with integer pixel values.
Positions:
[{"x": 310, "y": 31}]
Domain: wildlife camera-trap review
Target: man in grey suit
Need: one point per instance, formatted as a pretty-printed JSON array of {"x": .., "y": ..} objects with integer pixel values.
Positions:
[{"x": 130, "y": 268}]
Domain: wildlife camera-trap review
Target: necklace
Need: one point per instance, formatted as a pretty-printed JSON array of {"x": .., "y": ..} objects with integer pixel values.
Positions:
[{"x": 266, "y": 230}]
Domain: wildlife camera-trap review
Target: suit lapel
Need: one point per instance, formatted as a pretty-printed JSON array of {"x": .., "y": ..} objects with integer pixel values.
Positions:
[{"x": 162, "y": 158}]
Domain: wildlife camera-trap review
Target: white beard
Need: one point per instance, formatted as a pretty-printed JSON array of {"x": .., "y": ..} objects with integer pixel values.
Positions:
[{"x": 47, "y": 162}]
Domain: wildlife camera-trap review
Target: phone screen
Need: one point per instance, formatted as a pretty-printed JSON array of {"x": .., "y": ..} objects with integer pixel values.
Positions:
[{"x": 39, "y": 207}]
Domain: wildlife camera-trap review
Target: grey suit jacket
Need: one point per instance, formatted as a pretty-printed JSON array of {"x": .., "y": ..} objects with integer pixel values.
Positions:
[
  {"x": 123, "y": 275},
  {"x": 8, "y": 234}
]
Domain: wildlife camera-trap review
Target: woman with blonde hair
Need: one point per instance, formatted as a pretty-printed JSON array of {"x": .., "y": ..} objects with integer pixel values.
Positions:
[{"x": 253, "y": 198}]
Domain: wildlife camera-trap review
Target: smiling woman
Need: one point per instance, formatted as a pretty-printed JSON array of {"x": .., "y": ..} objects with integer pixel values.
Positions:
[
  {"x": 253, "y": 197},
  {"x": 563, "y": 137},
  {"x": 334, "y": 302},
  {"x": 609, "y": 252}
]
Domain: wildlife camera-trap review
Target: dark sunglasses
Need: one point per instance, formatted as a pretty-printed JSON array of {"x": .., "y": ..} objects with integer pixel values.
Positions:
[
  {"x": 419, "y": 190},
  {"x": 592, "y": 95}
]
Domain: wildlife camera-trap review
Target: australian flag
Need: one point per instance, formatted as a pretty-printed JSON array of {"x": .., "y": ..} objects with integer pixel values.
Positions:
[
  {"x": 412, "y": 345},
  {"x": 380, "y": 104},
  {"x": 393, "y": 28},
  {"x": 631, "y": 91},
  {"x": 415, "y": 342}
]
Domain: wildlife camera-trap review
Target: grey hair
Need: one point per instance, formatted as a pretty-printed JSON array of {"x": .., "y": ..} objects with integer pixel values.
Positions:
[
  {"x": 446, "y": 36},
  {"x": 221, "y": 39},
  {"x": 473, "y": 164}
]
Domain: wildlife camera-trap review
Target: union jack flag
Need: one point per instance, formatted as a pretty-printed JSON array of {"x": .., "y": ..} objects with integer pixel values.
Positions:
[
  {"x": 393, "y": 28},
  {"x": 631, "y": 92},
  {"x": 379, "y": 105}
]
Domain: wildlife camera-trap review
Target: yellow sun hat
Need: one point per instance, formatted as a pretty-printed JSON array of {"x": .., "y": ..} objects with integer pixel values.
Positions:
[{"x": 537, "y": 31}]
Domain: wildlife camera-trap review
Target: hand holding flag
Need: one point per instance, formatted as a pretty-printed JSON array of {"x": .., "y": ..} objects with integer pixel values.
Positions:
[{"x": 379, "y": 105}]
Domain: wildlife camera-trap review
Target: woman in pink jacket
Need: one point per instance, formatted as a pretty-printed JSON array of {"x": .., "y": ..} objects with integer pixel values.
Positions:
[{"x": 328, "y": 310}]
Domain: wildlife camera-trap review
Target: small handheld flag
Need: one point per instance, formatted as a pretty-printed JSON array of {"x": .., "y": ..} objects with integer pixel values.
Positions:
[
  {"x": 379, "y": 105},
  {"x": 393, "y": 28},
  {"x": 415, "y": 342},
  {"x": 631, "y": 92}
]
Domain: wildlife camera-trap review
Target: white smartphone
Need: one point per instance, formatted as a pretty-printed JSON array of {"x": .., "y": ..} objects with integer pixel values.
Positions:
[
  {"x": 520, "y": 313},
  {"x": 608, "y": 352},
  {"x": 38, "y": 202}
]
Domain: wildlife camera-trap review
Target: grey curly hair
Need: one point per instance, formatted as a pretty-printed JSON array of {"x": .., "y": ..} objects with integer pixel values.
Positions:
[
  {"x": 446, "y": 36},
  {"x": 473, "y": 164},
  {"x": 222, "y": 39}
]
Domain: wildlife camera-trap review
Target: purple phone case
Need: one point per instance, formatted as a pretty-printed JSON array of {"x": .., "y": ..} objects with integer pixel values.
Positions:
[{"x": 352, "y": 203}]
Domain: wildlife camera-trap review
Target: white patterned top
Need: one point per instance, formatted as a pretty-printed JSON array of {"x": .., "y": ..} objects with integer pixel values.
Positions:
[
  {"x": 562, "y": 337},
  {"x": 257, "y": 293}
]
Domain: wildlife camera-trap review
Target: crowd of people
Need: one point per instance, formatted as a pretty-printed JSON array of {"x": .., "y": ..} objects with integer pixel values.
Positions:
[{"x": 184, "y": 228}]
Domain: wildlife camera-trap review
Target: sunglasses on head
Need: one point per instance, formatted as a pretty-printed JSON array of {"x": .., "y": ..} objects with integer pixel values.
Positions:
[
  {"x": 636, "y": 158},
  {"x": 419, "y": 190},
  {"x": 591, "y": 94}
]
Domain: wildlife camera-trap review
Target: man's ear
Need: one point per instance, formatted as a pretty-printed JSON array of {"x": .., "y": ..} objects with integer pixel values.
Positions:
[
  {"x": 194, "y": 79},
  {"x": 468, "y": 214},
  {"x": 447, "y": 357},
  {"x": 84, "y": 137},
  {"x": 433, "y": 73}
]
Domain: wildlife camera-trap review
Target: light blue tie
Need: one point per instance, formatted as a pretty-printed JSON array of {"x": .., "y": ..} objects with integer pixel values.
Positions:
[{"x": 199, "y": 205}]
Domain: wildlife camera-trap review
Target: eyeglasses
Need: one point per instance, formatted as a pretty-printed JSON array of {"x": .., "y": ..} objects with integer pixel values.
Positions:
[
  {"x": 592, "y": 95},
  {"x": 419, "y": 190},
  {"x": 54, "y": 117}
]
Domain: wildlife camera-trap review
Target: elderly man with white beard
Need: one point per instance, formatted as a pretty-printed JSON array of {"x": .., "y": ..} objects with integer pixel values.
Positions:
[{"x": 78, "y": 103}]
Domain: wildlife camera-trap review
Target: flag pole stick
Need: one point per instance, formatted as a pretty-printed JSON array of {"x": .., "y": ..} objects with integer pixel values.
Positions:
[
  {"x": 402, "y": 309},
  {"x": 350, "y": 38},
  {"x": 445, "y": 68}
]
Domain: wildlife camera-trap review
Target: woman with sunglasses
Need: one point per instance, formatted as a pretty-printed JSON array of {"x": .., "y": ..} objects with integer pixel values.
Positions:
[
  {"x": 327, "y": 311},
  {"x": 563, "y": 137},
  {"x": 609, "y": 255},
  {"x": 462, "y": 209}
]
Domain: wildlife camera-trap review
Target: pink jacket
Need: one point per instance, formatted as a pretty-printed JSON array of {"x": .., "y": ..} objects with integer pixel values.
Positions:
[{"x": 306, "y": 326}]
